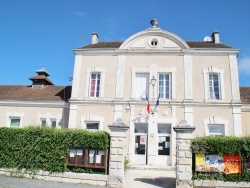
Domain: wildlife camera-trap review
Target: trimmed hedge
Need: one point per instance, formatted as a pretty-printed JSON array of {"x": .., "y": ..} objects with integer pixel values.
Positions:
[
  {"x": 220, "y": 146},
  {"x": 36, "y": 148}
]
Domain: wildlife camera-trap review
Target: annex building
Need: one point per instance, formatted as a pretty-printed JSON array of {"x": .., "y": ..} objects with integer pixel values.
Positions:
[{"x": 151, "y": 82}]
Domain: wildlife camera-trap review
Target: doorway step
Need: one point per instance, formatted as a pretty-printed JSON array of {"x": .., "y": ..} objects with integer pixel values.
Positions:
[{"x": 152, "y": 167}]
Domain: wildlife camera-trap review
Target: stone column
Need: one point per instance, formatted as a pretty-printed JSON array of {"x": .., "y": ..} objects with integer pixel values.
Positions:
[
  {"x": 184, "y": 135},
  {"x": 116, "y": 158}
]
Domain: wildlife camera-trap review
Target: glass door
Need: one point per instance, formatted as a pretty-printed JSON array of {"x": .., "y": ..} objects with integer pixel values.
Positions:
[
  {"x": 164, "y": 144},
  {"x": 140, "y": 147}
]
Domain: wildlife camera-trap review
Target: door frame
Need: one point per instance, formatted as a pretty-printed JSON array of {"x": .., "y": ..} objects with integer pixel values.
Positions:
[{"x": 140, "y": 157}]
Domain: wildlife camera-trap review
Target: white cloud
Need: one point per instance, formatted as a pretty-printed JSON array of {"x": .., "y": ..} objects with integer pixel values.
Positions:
[
  {"x": 244, "y": 65},
  {"x": 80, "y": 13}
]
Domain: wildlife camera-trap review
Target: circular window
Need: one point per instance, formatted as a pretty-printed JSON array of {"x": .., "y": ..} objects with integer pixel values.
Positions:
[{"x": 153, "y": 42}]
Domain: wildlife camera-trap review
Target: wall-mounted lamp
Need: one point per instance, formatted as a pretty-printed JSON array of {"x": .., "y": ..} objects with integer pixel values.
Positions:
[{"x": 153, "y": 81}]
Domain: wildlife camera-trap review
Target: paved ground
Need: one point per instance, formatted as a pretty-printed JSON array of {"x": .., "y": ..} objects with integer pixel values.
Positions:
[
  {"x": 150, "y": 179},
  {"x": 134, "y": 178},
  {"x": 6, "y": 182}
]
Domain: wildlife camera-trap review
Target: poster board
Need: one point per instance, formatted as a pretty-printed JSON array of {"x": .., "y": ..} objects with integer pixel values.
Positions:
[
  {"x": 229, "y": 164},
  {"x": 208, "y": 163},
  {"x": 232, "y": 164}
]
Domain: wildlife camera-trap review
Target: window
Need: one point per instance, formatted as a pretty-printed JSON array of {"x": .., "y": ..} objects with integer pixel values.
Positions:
[
  {"x": 214, "y": 87},
  {"x": 15, "y": 122},
  {"x": 164, "y": 128},
  {"x": 53, "y": 122},
  {"x": 141, "y": 128},
  {"x": 43, "y": 122},
  {"x": 92, "y": 126},
  {"x": 216, "y": 130},
  {"x": 165, "y": 86},
  {"x": 95, "y": 83},
  {"x": 142, "y": 85},
  {"x": 154, "y": 42}
]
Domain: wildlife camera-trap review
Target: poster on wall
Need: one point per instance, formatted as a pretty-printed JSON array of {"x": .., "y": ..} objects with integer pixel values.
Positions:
[
  {"x": 208, "y": 163},
  {"x": 79, "y": 152},
  {"x": 72, "y": 153},
  {"x": 232, "y": 164},
  {"x": 91, "y": 156},
  {"x": 200, "y": 162},
  {"x": 167, "y": 144},
  {"x": 143, "y": 140}
]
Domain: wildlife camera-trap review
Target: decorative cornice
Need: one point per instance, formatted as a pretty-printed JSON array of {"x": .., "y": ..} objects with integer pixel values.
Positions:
[{"x": 48, "y": 104}]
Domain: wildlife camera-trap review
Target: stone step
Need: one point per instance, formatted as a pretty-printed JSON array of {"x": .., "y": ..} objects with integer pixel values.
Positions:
[{"x": 152, "y": 167}]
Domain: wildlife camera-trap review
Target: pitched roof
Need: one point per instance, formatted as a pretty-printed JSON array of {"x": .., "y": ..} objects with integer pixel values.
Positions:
[
  {"x": 192, "y": 44},
  {"x": 204, "y": 44},
  {"x": 28, "y": 93},
  {"x": 245, "y": 94},
  {"x": 41, "y": 77}
]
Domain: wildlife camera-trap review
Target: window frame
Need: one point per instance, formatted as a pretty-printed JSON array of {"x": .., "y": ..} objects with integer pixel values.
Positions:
[
  {"x": 92, "y": 122},
  {"x": 41, "y": 122},
  {"x": 147, "y": 89},
  {"x": 212, "y": 86},
  {"x": 97, "y": 88},
  {"x": 53, "y": 120},
  {"x": 153, "y": 70},
  {"x": 209, "y": 71},
  {"x": 89, "y": 72},
  {"x": 165, "y": 86},
  {"x": 15, "y": 118},
  {"x": 222, "y": 127},
  {"x": 215, "y": 121}
]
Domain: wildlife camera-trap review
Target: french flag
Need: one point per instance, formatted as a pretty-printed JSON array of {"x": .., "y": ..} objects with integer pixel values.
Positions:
[
  {"x": 148, "y": 105},
  {"x": 157, "y": 103}
]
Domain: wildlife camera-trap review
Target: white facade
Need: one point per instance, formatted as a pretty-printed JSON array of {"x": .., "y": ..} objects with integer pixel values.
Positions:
[
  {"x": 152, "y": 81},
  {"x": 195, "y": 81}
]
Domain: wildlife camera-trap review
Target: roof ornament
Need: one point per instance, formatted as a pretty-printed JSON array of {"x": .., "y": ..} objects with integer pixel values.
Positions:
[{"x": 154, "y": 22}]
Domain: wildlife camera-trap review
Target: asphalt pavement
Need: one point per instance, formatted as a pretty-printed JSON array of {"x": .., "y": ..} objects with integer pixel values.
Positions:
[{"x": 8, "y": 182}]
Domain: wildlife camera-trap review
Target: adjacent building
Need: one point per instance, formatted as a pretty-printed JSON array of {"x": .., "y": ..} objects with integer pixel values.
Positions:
[
  {"x": 39, "y": 104},
  {"x": 151, "y": 81}
]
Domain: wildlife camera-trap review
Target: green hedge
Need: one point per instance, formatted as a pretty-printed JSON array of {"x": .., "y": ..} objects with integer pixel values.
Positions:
[
  {"x": 35, "y": 148},
  {"x": 220, "y": 146}
]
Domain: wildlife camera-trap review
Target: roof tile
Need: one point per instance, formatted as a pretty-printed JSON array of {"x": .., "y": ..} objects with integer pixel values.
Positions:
[
  {"x": 192, "y": 44},
  {"x": 47, "y": 93},
  {"x": 245, "y": 94}
]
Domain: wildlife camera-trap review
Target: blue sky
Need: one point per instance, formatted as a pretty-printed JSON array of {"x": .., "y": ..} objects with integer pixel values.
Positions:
[{"x": 37, "y": 33}]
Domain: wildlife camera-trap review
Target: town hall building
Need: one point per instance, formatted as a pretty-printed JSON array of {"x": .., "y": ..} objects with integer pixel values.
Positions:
[{"x": 150, "y": 82}]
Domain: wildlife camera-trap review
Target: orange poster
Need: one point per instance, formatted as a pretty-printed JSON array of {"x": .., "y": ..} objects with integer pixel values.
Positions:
[{"x": 232, "y": 164}]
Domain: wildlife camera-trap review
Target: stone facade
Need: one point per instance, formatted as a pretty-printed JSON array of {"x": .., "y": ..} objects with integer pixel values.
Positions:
[{"x": 184, "y": 155}]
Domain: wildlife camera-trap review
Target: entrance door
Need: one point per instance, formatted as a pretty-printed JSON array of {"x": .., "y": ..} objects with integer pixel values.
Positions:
[
  {"x": 140, "y": 147},
  {"x": 164, "y": 144}
]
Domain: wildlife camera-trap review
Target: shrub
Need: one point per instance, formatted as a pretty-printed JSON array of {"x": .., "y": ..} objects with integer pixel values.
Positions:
[
  {"x": 36, "y": 148},
  {"x": 220, "y": 146}
]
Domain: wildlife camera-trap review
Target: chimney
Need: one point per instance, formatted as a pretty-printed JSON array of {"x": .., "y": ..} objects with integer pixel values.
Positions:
[
  {"x": 216, "y": 37},
  {"x": 94, "y": 38}
]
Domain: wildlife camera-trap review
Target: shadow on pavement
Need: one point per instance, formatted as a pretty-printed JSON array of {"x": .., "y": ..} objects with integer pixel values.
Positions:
[{"x": 160, "y": 182}]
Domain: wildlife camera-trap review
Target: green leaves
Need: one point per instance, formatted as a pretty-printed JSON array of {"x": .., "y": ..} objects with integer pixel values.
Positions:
[
  {"x": 220, "y": 146},
  {"x": 36, "y": 148}
]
